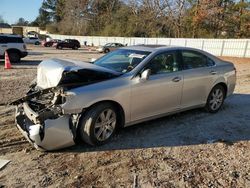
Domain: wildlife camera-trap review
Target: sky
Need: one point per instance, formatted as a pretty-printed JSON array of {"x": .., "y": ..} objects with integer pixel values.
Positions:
[{"x": 12, "y": 10}]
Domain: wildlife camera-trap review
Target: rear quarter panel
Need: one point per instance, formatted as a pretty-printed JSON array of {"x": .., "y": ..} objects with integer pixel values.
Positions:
[{"x": 228, "y": 75}]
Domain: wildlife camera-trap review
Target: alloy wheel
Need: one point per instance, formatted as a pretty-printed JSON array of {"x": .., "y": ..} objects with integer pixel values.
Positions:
[
  {"x": 216, "y": 99},
  {"x": 105, "y": 125}
]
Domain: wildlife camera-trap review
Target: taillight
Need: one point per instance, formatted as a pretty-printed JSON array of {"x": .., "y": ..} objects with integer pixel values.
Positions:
[{"x": 24, "y": 47}]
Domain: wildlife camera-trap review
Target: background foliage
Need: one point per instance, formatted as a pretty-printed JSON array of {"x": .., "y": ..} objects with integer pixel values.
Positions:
[{"x": 146, "y": 18}]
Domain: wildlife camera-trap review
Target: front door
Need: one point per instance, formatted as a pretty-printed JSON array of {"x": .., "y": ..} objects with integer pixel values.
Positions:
[{"x": 161, "y": 93}]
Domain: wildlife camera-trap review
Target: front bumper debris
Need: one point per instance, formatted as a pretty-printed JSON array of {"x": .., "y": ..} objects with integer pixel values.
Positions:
[{"x": 52, "y": 134}]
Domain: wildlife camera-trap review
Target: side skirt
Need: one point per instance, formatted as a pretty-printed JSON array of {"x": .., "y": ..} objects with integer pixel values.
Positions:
[{"x": 162, "y": 115}]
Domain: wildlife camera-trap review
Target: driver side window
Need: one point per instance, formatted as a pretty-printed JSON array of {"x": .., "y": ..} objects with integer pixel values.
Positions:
[{"x": 164, "y": 63}]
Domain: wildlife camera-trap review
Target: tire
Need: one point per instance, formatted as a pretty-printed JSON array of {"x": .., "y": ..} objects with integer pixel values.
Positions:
[
  {"x": 106, "y": 50},
  {"x": 95, "y": 127},
  {"x": 59, "y": 47},
  {"x": 14, "y": 57},
  {"x": 37, "y": 43},
  {"x": 75, "y": 48},
  {"x": 215, "y": 99}
]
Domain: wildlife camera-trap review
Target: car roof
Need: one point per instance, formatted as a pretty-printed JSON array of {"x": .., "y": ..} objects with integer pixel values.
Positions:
[
  {"x": 158, "y": 47},
  {"x": 149, "y": 47},
  {"x": 9, "y": 35},
  {"x": 113, "y": 43},
  {"x": 162, "y": 48}
]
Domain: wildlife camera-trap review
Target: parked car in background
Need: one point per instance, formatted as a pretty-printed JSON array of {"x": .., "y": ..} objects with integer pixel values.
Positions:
[
  {"x": 68, "y": 43},
  {"x": 109, "y": 47},
  {"x": 14, "y": 45},
  {"x": 32, "y": 40},
  {"x": 50, "y": 43},
  {"x": 125, "y": 87}
]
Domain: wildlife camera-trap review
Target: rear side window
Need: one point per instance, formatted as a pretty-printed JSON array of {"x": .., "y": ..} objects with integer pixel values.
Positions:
[
  {"x": 210, "y": 62},
  {"x": 192, "y": 60},
  {"x": 14, "y": 40}
]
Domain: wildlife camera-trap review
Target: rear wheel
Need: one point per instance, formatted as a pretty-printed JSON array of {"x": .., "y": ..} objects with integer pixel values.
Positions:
[
  {"x": 14, "y": 57},
  {"x": 106, "y": 50},
  {"x": 215, "y": 99},
  {"x": 59, "y": 47},
  {"x": 98, "y": 124}
]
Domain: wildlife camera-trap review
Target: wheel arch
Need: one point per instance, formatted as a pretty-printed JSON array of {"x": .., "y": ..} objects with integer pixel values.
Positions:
[
  {"x": 14, "y": 50},
  {"x": 207, "y": 106},
  {"x": 117, "y": 106},
  {"x": 223, "y": 84}
]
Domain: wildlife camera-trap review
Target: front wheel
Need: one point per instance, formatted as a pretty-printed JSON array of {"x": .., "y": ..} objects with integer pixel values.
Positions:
[
  {"x": 215, "y": 99},
  {"x": 98, "y": 124}
]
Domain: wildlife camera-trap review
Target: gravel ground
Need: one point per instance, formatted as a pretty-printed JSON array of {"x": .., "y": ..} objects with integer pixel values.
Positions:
[{"x": 190, "y": 149}]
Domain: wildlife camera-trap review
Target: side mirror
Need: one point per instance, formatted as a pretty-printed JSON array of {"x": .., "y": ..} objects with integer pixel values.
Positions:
[{"x": 145, "y": 75}]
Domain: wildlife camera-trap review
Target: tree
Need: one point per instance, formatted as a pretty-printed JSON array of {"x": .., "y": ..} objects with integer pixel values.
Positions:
[
  {"x": 147, "y": 18},
  {"x": 43, "y": 19},
  {"x": 22, "y": 22},
  {"x": 2, "y": 20},
  {"x": 50, "y": 12},
  {"x": 241, "y": 16}
]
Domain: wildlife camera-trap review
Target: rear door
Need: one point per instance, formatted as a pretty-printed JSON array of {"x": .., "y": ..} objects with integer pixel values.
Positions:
[
  {"x": 161, "y": 93},
  {"x": 199, "y": 75}
]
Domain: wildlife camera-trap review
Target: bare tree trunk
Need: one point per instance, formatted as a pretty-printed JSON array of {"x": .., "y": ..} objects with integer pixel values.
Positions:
[{"x": 195, "y": 25}]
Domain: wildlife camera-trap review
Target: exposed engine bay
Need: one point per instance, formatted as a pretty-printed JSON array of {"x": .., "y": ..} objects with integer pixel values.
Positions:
[{"x": 40, "y": 115}]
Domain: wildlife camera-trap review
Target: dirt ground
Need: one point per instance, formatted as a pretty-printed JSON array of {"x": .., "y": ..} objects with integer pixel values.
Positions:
[{"x": 190, "y": 149}]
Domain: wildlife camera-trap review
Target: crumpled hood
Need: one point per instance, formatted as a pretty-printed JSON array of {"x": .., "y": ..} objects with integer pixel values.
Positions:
[{"x": 51, "y": 71}]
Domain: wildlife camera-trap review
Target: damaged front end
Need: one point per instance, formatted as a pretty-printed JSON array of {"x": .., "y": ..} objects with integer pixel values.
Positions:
[
  {"x": 40, "y": 115},
  {"x": 40, "y": 118}
]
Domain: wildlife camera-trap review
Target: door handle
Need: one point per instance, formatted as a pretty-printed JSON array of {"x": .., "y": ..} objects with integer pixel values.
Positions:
[
  {"x": 176, "y": 79},
  {"x": 213, "y": 72}
]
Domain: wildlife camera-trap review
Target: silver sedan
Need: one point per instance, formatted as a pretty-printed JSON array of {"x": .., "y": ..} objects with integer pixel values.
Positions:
[{"x": 71, "y": 99}]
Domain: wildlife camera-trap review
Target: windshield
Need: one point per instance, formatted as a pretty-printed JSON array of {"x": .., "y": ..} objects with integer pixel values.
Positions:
[
  {"x": 122, "y": 60},
  {"x": 108, "y": 44}
]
